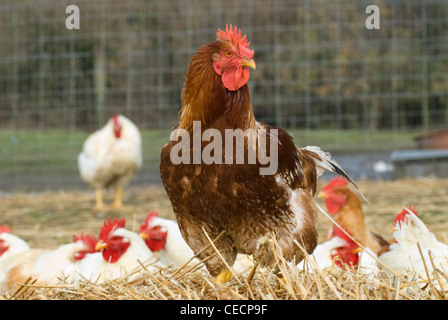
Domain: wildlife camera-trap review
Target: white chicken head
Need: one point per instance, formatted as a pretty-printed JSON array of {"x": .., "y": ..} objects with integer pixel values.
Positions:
[
  {"x": 154, "y": 235},
  {"x": 111, "y": 243}
]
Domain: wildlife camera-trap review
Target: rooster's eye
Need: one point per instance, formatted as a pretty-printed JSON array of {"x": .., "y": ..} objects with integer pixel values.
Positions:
[{"x": 228, "y": 54}]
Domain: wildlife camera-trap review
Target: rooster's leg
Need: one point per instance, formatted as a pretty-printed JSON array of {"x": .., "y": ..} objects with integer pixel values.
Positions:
[
  {"x": 224, "y": 276},
  {"x": 99, "y": 205},
  {"x": 118, "y": 203}
]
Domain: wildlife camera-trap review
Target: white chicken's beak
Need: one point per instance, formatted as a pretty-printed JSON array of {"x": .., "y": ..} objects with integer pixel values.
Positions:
[
  {"x": 144, "y": 236},
  {"x": 100, "y": 245}
]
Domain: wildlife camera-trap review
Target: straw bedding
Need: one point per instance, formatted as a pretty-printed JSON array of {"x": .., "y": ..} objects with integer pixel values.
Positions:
[{"x": 48, "y": 219}]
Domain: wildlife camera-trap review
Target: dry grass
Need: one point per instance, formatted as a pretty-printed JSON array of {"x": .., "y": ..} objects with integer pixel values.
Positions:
[{"x": 49, "y": 219}]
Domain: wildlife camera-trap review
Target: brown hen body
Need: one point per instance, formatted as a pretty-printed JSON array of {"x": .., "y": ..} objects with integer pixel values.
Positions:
[
  {"x": 351, "y": 217},
  {"x": 248, "y": 206},
  {"x": 254, "y": 210},
  {"x": 235, "y": 198}
]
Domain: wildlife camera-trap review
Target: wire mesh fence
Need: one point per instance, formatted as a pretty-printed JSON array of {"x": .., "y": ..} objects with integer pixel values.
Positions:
[{"x": 320, "y": 73}]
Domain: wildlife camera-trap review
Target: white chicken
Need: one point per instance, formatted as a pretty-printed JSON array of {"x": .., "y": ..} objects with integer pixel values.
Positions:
[
  {"x": 45, "y": 265},
  {"x": 324, "y": 254},
  {"x": 404, "y": 256},
  {"x": 163, "y": 237},
  {"x": 111, "y": 156},
  {"x": 343, "y": 252},
  {"x": 121, "y": 252},
  {"x": 336, "y": 251},
  {"x": 368, "y": 264},
  {"x": 10, "y": 244}
]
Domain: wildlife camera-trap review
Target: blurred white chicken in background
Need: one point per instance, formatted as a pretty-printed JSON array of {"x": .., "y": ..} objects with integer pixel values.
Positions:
[
  {"x": 404, "y": 256},
  {"x": 10, "y": 244},
  {"x": 111, "y": 156}
]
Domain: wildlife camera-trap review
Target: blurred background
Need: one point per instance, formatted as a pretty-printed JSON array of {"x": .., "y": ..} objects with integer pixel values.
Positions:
[{"x": 321, "y": 74}]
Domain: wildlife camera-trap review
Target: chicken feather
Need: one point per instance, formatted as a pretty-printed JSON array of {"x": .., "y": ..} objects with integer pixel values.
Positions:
[
  {"x": 46, "y": 266},
  {"x": 417, "y": 252}
]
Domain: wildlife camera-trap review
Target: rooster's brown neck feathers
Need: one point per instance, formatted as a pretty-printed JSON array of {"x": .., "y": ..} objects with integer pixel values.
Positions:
[
  {"x": 205, "y": 99},
  {"x": 351, "y": 216}
]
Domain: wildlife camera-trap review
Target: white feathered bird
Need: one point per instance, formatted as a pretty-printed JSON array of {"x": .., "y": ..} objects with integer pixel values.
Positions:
[
  {"x": 368, "y": 264},
  {"x": 339, "y": 250},
  {"x": 111, "y": 156},
  {"x": 163, "y": 237},
  {"x": 10, "y": 244},
  {"x": 121, "y": 252},
  {"x": 343, "y": 252},
  {"x": 47, "y": 266},
  {"x": 404, "y": 256}
]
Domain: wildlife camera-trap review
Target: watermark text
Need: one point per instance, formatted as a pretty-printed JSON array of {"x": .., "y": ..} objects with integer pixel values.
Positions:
[{"x": 234, "y": 147}]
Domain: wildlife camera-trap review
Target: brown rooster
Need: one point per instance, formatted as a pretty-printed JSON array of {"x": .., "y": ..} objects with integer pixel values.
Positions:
[
  {"x": 346, "y": 209},
  {"x": 209, "y": 197}
]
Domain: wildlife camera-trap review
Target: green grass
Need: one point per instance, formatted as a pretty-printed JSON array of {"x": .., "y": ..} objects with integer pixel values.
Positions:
[
  {"x": 355, "y": 140},
  {"x": 30, "y": 151}
]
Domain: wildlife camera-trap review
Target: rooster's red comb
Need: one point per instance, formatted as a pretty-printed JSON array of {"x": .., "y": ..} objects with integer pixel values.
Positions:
[
  {"x": 233, "y": 36},
  {"x": 335, "y": 182},
  {"x": 109, "y": 226},
  {"x": 5, "y": 229}
]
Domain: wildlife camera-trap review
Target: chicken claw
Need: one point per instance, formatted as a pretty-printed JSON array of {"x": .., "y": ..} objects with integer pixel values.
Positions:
[{"x": 224, "y": 276}]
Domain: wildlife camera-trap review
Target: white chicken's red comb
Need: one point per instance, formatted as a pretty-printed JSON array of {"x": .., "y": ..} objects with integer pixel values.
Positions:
[
  {"x": 5, "y": 229},
  {"x": 338, "y": 232},
  {"x": 402, "y": 215},
  {"x": 88, "y": 239},
  {"x": 109, "y": 226},
  {"x": 115, "y": 118},
  {"x": 233, "y": 36},
  {"x": 148, "y": 221}
]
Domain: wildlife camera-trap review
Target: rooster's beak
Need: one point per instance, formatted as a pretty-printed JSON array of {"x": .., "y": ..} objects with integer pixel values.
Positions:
[
  {"x": 100, "y": 245},
  {"x": 249, "y": 63},
  {"x": 322, "y": 195},
  {"x": 144, "y": 236}
]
